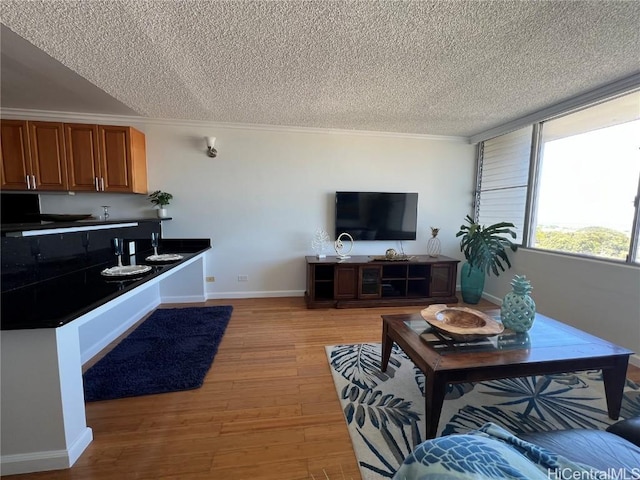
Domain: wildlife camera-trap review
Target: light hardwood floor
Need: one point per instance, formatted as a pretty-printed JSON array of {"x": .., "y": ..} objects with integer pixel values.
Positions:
[{"x": 267, "y": 410}]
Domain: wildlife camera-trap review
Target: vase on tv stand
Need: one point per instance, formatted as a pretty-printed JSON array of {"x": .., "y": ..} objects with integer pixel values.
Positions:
[{"x": 433, "y": 244}]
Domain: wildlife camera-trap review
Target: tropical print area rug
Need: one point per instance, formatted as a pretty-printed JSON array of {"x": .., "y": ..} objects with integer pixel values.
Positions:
[{"x": 385, "y": 411}]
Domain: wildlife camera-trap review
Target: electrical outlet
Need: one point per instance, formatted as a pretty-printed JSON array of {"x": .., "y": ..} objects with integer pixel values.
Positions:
[
  {"x": 243, "y": 278},
  {"x": 210, "y": 279}
]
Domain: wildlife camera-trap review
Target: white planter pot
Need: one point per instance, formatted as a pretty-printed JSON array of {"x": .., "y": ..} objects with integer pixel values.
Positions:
[{"x": 162, "y": 213}]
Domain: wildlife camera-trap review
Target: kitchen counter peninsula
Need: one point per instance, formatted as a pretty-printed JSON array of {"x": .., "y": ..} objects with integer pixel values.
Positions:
[
  {"x": 58, "y": 312},
  {"x": 59, "y": 300}
]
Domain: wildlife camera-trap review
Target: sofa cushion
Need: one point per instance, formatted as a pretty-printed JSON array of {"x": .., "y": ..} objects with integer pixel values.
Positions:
[
  {"x": 628, "y": 429},
  {"x": 489, "y": 452},
  {"x": 596, "y": 448}
]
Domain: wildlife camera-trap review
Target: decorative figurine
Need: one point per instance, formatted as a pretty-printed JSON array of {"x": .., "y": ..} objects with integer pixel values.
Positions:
[
  {"x": 518, "y": 309},
  {"x": 433, "y": 244},
  {"x": 319, "y": 242},
  {"x": 339, "y": 246}
]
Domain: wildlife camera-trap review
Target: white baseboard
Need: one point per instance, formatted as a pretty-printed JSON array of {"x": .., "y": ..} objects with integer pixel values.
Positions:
[
  {"x": 44, "y": 461},
  {"x": 184, "y": 299},
  {"x": 264, "y": 294}
]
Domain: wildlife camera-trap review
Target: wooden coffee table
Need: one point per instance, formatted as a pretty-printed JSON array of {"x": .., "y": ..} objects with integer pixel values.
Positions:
[{"x": 549, "y": 347}]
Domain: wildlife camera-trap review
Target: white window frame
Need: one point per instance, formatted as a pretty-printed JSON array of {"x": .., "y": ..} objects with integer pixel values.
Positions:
[{"x": 633, "y": 254}]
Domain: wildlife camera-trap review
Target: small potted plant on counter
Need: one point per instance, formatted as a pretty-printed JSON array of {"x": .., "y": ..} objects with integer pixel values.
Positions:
[{"x": 160, "y": 199}]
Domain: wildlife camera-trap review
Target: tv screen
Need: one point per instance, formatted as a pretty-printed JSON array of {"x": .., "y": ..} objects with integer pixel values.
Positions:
[{"x": 377, "y": 215}]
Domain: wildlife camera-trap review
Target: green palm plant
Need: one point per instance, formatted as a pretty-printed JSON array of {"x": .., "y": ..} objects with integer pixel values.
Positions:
[{"x": 485, "y": 248}]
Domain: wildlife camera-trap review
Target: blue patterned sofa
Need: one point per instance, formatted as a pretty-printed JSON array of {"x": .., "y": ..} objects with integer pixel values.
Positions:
[{"x": 493, "y": 453}]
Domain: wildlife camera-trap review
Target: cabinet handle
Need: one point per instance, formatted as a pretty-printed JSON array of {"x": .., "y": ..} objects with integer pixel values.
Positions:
[
  {"x": 97, "y": 187},
  {"x": 28, "y": 182},
  {"x": 33, "y": 182},
  {"x": 102, "y": 183}
]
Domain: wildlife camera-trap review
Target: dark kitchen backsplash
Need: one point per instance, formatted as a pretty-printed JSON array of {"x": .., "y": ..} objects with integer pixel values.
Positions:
[{"x": 27, "y": 260}]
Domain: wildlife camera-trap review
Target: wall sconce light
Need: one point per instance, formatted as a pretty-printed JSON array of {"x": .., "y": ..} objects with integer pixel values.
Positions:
[{"x": 212, "y": 152}]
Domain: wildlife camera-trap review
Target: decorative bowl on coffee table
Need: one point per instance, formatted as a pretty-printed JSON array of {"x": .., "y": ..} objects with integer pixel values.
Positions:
[{"x": 461, "y": 323}]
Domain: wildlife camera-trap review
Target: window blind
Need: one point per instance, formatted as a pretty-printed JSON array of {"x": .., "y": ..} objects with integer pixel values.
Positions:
[{"x": 502, "y": 179}]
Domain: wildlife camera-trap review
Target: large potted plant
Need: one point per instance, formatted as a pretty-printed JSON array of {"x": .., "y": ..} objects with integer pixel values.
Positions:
[
  {"x": 485, "y": 251},
  {"x": 161, "y": 199}
]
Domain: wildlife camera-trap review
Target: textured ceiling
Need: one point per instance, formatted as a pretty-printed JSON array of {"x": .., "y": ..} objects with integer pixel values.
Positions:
[{"x": 426, "y": 67}]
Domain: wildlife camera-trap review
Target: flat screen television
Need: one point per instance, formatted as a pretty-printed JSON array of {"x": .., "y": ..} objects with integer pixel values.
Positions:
[{"x": 377, "y": 215}]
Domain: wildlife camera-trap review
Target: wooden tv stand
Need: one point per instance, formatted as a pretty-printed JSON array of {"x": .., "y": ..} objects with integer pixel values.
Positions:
[{"x": 367, "y": 281}]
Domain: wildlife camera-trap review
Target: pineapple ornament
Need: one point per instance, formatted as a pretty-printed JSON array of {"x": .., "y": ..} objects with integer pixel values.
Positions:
[
  {"x": 433, "y": 244},
  {"x": 518, "y": 308}
]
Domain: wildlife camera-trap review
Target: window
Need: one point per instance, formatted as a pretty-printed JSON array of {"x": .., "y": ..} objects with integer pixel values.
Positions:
[
  {"x": 584, "y": 195},
  {"x": 503, "y": 178}
]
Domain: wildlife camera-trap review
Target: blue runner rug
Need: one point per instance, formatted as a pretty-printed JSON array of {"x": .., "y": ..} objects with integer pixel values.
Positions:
[{"x": 170, "y": 351}]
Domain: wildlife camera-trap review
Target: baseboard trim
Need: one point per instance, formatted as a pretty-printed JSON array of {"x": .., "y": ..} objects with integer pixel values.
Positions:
[
  {"x": 266, "y": 294},
  {"x": 184, "y": 299},
  {"x": 43, "y": 461}
]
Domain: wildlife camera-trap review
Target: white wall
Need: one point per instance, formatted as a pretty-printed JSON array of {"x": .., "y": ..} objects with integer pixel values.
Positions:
[
  {"x": 263, "y": 197},
  {"x": 602, "y": 298},
  {"x": 267, "y": 191}
]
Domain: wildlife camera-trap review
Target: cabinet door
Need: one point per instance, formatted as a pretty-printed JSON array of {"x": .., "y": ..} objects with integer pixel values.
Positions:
[
  {"x": 443, "y": 280},
  {"x": 48, "y": 162},
  {"x": 83, "y": 164},
  {"x": 15, "y": 158},
  {"x": 346, "y": 282},
  {"x": 123, "y": 164},
  {"x": 115, "y": 159},
  {"x": 370, "y": 284}
]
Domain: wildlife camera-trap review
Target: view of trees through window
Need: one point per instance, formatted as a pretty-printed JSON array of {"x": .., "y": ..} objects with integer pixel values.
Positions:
[{"x": 587, "y": 185}]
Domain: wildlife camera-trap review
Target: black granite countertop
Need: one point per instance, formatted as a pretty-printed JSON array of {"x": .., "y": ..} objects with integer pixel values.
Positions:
[
  {"x": 60, "y": 300},
  {"x": 44, "y": 225}
]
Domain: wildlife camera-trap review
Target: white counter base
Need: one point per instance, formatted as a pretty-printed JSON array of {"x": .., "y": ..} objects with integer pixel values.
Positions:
[{"x": 41, "y": 393}]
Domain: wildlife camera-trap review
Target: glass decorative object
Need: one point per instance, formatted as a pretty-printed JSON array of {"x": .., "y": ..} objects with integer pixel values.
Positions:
[
  {"x": 518, "y": 309},
  {"x": 320, "y": 242},
  {"x": 433, "y": 244},
  {"x": 471, "y": 283}
]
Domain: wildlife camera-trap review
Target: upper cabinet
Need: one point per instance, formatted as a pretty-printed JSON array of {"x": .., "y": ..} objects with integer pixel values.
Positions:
[
  {"x": 123, "y": 156},
  {"x": 14, "y": 155},
  {"x": 33, "y": 156},
  {"x": 82, "y": 156},
  {"x": 71, "y": 156}
]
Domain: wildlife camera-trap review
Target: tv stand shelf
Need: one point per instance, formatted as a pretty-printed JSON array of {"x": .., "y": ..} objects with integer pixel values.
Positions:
[{"x": 368, "y": 281}]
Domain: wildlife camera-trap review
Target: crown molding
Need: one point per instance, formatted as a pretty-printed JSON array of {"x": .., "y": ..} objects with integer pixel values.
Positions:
[{"x": 47, "y": 115}]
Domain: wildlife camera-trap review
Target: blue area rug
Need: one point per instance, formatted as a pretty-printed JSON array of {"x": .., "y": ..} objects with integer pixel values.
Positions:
[
  {"x": 384, "y": 411},
  {"x": 170, "y": 351}
]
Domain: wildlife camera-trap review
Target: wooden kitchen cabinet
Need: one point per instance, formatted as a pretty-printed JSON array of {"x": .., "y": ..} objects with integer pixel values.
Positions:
[
  {"x": 15, "y": 156},
  {"x": 123, "y": 159},
  {"x": 106, "y": 158},
  {"x": 33, "y": 156},
  {"x": 72, "y": 156},
  {"x": 82, "y": 156}
]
